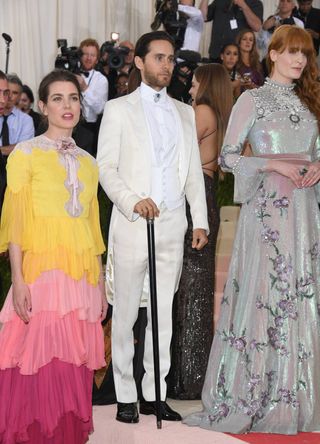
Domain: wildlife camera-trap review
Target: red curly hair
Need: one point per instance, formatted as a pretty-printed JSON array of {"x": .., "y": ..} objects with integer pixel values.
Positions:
[{"x": 307, "y": 87}]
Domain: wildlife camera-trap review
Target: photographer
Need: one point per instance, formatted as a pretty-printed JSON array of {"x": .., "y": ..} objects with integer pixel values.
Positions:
[
  {"x": 94, "y": 87},
  {"x": 229, "y": 18},
  {"x": 283, "y": 16},
  {"x": 173, "y": 20},
  {"x": 194, "y": 27},
  {"x": 128, "y": 58}
]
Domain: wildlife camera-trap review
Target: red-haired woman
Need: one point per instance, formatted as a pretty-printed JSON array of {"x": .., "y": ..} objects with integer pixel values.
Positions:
[{"x": 264, "y": 368}]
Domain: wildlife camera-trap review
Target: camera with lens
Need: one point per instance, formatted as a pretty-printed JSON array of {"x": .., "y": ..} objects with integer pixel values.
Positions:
[
  {"x": 69, "y": 58},
  {"x": 116, "y": 55},
  {"x": 173, "y": 20}
]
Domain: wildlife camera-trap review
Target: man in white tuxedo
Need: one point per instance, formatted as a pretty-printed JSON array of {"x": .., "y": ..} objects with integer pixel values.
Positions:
[{"x": 149, "y": 163}]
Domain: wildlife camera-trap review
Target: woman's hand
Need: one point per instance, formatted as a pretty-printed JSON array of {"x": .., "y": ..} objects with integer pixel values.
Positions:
[
  {"x": 104, "y": 302},
  {"x": 287, "y": 169},
  {"x": 21, "y": 300},
  {"x": 312, "y": 176}
]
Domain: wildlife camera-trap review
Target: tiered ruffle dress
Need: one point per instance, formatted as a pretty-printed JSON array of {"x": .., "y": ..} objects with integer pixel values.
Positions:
[{"x": 46, "y": 366}]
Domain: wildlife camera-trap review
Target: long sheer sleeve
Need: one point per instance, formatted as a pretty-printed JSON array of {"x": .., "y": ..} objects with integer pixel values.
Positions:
[
  {"x": 17, "y": 216},
  {"x": 247, "y": 170},
  {"x": 316, "y": 156}
]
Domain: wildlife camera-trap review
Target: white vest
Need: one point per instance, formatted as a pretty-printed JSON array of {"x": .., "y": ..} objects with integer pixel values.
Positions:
[{"x": 164, "y": 130}]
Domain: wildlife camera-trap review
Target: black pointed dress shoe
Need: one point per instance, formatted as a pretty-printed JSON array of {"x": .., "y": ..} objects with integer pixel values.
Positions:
[
  {"x": 167, "y": 414},
  {"x": 127, "y": 412}
]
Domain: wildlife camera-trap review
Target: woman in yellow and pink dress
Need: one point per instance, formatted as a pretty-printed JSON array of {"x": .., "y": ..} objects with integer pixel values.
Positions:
[{"x": 51, "y": 339}]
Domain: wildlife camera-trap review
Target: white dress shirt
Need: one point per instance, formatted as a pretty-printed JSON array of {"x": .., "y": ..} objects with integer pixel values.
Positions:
[
  {"x": 95, "y": 96},
  {"x": 194, "y": 27},
  {"x": 163, "y": 127}
]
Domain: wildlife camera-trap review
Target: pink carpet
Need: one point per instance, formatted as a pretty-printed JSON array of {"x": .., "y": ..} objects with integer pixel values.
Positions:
[{"x": 110, "y": 431}]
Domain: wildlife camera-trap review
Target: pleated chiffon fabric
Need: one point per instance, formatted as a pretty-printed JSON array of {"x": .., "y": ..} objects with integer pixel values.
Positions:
[{"x": 46, "y": 366}]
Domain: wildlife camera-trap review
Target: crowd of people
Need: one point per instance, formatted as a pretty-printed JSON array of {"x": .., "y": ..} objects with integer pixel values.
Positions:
[{"x": 159, "y": 158}]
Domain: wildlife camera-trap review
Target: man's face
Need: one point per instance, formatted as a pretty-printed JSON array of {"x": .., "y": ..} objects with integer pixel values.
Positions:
[
  {"x": 305, "y": 6},
  {"x": 89, "y": 57},
  {"x": 4, "y": 95},
  {"x": 157, "y": 67},
  {"x": 187, "y": 2},
  {"x": 128, "y": 59},
  {"x": 15, "y": 91}
]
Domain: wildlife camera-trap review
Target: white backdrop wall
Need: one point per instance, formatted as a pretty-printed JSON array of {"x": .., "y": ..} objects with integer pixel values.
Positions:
[{"x": 35, "y": 25}]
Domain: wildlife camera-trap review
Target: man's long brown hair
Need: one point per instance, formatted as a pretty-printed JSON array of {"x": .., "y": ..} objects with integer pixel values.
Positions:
[
  {"x": 294, "y": 39},
  {"x": 215, "y": 90}
]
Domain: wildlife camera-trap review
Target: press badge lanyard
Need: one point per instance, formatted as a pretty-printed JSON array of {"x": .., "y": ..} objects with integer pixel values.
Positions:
[{"x": 233, "y": 21}]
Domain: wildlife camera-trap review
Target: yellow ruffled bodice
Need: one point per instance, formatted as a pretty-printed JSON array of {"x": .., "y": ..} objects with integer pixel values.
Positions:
[{"x": 36, "y": 212}]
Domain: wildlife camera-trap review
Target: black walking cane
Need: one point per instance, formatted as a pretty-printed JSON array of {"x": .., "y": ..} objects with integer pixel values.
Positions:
[{"x": 154, "y": 316}]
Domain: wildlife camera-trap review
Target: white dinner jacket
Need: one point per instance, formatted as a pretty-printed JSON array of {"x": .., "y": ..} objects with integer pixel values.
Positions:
[{"x": 124, "y": 157}]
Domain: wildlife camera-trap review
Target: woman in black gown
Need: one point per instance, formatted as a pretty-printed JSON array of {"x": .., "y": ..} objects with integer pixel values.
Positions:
[{"x": 212, "y": 96}]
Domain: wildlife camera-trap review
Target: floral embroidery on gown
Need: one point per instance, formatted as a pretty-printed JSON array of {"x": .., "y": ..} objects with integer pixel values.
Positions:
[
  {"x": 46, "y": 366},
  {"x": 264, "y": 368}
]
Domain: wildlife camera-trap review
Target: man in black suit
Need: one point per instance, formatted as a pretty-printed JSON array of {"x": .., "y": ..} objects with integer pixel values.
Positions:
[{"x": 311, "y": 19}]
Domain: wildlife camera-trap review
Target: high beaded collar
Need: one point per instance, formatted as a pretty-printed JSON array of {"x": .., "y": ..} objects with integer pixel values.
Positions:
[{"x": 279, "y": 86}]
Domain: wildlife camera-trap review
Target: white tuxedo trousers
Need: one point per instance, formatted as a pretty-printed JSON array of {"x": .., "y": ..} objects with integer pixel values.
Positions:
[{"x": 130, "y": 250}]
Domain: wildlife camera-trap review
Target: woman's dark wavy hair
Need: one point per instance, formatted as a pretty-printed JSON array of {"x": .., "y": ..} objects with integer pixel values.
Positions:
[
  {"x": 57, "y": 75},
  {"x": 307, "y": 87}
]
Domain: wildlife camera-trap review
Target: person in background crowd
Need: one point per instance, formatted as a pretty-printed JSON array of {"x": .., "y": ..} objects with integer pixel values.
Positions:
[
  {"x": 212, "y": 98},
  {"x": 230, "y": 57},
  {"x": 51, "y": 337},
  {"x": 229, "y": 17},
  {"x": 264, "y": 368},
  {"x": 311, "y": 19},
  {"x": 4, "y": 97},
  {"x": 128, "y": 59},
  {"x": 25, "y": 104},
  {"x": 122, "y": 84},
  {"x": 20, "y": 125},
  {"x": 283, "y": 16},
  {"x": 94, "y": 88},
  {"x": 149, "y": 163},
  {"x": 249, "y": 67},
  {"x": 194, "y": 27}
]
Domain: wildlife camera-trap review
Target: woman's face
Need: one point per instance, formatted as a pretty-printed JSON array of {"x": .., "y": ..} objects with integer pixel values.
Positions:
[
  {"x": 63, "y": 106},
  {"x": 24, "y": 103},
  {"x": 230, "y": 57},
  {"x": 246, "y": 42},
  {"x": 288, "y": 65},
  {"x": 194, "y": 88},
  {"x": 286, "y": 6}
]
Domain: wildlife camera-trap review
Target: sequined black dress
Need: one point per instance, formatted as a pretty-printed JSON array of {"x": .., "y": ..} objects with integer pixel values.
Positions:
[{"x": 193, "y": 308}]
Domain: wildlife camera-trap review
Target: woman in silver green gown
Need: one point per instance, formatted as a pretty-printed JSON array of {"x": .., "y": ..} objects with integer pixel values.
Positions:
[{"x": 264, "y": 368}]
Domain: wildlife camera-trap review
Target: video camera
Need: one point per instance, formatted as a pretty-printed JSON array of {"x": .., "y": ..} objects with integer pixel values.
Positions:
[
  {"x": 173, "y": 21},
  {"x": 116, "y": 55},
  {"x": 69, "y": 59}
]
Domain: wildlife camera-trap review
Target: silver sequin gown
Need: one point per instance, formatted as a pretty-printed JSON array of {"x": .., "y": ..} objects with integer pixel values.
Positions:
[{"x": 264, "y": 368}]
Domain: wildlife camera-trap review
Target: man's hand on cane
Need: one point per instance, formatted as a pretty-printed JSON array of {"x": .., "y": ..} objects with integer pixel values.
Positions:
[
  {"x": 199, "y": 238},
  {"x": 147, "y": 209}
]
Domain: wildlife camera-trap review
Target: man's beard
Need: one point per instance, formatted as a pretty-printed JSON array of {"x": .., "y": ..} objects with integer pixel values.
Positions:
[{"x": 155, "y": 81}]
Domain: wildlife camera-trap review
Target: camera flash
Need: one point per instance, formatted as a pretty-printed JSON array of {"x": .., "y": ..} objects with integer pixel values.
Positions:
[{"x": 115, "y": 36}]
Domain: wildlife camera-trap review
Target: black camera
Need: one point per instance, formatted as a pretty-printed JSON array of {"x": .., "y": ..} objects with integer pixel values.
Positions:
[
  {"x": 173, "y": 21},
  {"x": 69, "y": 59},
  {"x": 115, "y": 55}
]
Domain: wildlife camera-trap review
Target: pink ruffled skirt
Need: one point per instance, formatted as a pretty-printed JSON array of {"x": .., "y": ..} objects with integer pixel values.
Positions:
[{"x": 46, "y": 366}]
